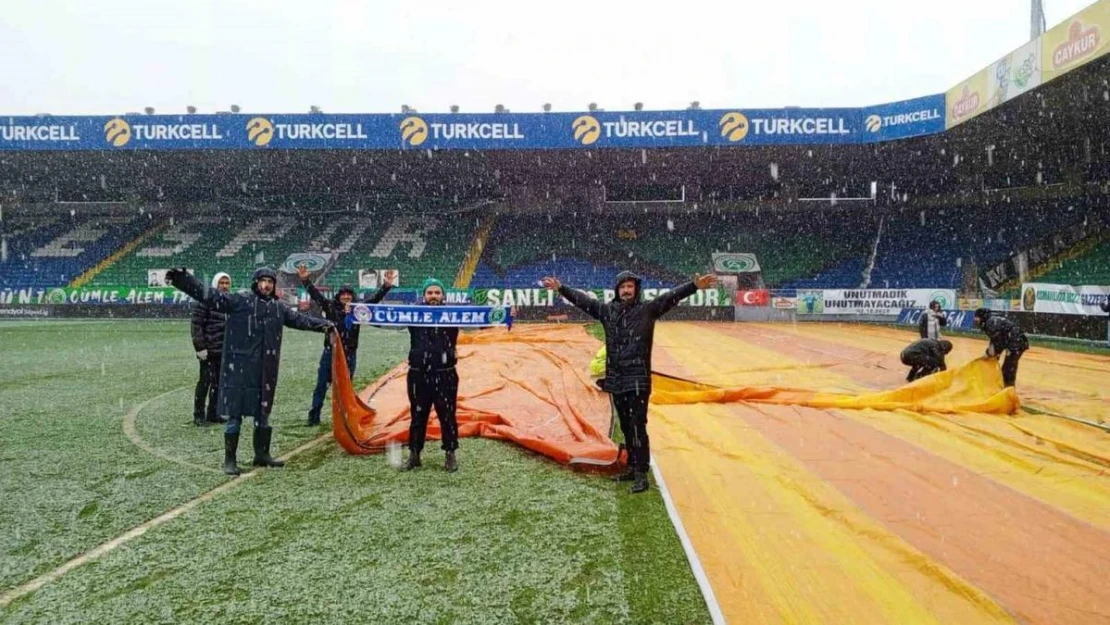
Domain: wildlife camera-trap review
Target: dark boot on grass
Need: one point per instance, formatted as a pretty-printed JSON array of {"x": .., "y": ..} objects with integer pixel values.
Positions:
[
  {"x": 231, "y": 446},
  {"x": 262, "y": 456}
]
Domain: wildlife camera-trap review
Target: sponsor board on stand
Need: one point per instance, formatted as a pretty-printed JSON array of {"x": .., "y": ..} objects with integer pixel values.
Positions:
[
  {"x": 872, "y": 301},
  {"x": 1063, "y": 299}
]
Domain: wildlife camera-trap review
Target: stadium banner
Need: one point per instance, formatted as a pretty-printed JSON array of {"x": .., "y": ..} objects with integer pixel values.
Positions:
[
  {"x": 957, "y": 319},
  {"x": 726, "y": 262},
  {"x": 1014, "y": 74},
  {"x": 875, "y": 301},
  {"x": 430, "y": 316},
  {"x": 492, "y": 131},
  {"x": 367, "y": 279},
  {"x": 967, "y": 99},
  {"x": 93, "y": 295},
  {"x": 909, "y": 118},
  {"x": 538, "y": 297},
  {"x": 1063, "y": 299},
  {"x": 1076, "y": 41}
]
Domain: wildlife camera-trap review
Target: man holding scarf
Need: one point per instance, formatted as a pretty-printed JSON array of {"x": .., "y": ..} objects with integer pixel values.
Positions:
[{"x": 335, "y": 310}]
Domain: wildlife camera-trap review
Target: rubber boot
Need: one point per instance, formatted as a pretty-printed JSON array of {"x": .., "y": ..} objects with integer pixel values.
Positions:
[
  {"x": 624, "y": 476},
  {"x": 262, "y": 449},
  {"x": 451, "y": 465},
  {"x": 231, "y": 446},
  {"x": 639, "y": 483},
  {"x": 413, "y": 461},
  {"x": 313, "y": 419}
]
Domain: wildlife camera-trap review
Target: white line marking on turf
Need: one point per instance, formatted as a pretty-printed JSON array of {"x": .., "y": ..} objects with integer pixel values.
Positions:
[
  {"x": 132, "y": 434},
  {"x": 691, "y": 555},
  {"x": 134, "y": 533}
]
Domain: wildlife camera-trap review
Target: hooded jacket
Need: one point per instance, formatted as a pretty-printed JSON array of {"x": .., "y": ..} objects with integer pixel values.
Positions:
[
  {"x": 335, "y": 312},
  {"x": 252, "y": 341},
  {"x": 629, "y": 330},
  {"x": 208, "y": 325},
  {"x": 927, "y": 353},
  {"x": 1003, "y": 334}
]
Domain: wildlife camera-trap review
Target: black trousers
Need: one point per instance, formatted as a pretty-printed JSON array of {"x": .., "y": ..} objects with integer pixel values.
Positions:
[
  {"x": 208, "y": 386},
  {"x": 632, "y": 409},
  {"x": 439, "y": 389},
  {"x": 1010, "y": 367}
]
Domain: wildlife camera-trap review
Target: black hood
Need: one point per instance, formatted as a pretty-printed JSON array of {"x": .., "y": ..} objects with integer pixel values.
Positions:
[
  {"x": 346, "y": 288},
  {"x": 983, "y": 313},
  {"x": 263, "y": 272},
  {"x": 626, "y": 276}
]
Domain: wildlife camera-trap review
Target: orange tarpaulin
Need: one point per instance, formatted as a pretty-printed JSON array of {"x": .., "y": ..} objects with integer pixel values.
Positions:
[{"x": 530, "y": 386}]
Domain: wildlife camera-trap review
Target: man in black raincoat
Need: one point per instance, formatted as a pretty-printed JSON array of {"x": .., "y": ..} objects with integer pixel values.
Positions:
[
  {"x": 335, "y": 310},
  {"x": 433, "y": 382},
  {"x": 629, "y": 326},
  {"x": 208, "y": 340},
  {"x": 1005, "y": 336},
  {"x": 925, "y": 357},
  {"x": 252, "y": 353}
]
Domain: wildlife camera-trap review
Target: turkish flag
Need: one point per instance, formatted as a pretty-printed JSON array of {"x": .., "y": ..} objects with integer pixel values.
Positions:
[{"x": 758, "y": 297}]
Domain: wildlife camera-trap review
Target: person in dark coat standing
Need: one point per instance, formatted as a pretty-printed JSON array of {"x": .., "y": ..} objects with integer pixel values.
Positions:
[
  {"x": 1005, "y": 336},
  {"x": 433, "y": 382},
  {"x": 252, "y": 353},
  {"x": 629, "y": 325},
  {"x": 208, "y": 340},
  {"x": 925, "y": 357},
  {"x": 335, "y": 310},
  {"x": 932, "y": 320}
]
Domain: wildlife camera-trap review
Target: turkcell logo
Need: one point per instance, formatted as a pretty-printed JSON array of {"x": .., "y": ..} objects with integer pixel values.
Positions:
[{"x": 899, "y": 120}]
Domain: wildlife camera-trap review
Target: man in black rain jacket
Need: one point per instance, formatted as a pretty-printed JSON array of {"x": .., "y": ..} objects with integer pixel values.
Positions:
[
  {"x": 925, "y": 357},
  {"x": 1005, "y": 336},
  {"x": 629, "y": 325},
  {"x": 252, "y": 354},
  {"x": 208, "y": 340},
  {"x": 335, "y": 310}
]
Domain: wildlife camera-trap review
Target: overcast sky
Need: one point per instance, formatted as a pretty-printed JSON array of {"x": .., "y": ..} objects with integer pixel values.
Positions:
[{"x": 281, "y": 56}]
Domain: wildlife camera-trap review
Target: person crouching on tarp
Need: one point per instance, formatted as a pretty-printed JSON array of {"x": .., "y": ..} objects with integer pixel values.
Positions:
[
  {"x": 925, "y": 357},
  {"x": 1005, "y": 336},
  {"x": 433, "y": 382},
  {"x": 335, "y": 310},
  {"x": 629, "y": 325},
  {"x": 208, "y": 341},
  {"x": 252, "y": 342}
]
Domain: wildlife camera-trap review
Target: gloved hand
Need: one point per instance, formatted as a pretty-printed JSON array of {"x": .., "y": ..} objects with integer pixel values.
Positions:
[
  {"x": 174, "y": 274},
  {"x": 330, "y": 328},
  {"x": 202, "y": 354}
]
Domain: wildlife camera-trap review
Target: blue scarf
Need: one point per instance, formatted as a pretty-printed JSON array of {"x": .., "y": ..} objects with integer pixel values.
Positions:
[{"x": 430, "y": 316}]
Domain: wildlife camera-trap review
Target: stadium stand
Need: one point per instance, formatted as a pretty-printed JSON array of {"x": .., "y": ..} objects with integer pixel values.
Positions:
[
  {"x": 416, "y": 246},
  {"x": 667, "y": 247},
  {"x": 51, "y": 249}
]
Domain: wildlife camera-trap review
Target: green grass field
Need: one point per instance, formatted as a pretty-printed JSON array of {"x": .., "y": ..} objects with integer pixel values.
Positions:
[{"x": 331, "y": 538}]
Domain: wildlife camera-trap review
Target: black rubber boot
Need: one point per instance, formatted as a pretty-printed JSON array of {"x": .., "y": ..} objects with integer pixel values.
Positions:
[
  {"x": 231, "y": 446},
  {"x": 451, "y": 465},
  {"x": 262, "y": 449},
  {"x": 313, "y": 419},
  {"x": 624, "y": 476},
  {"x": 413, "y": 461},
  {"x": 639, "y": 483}
]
